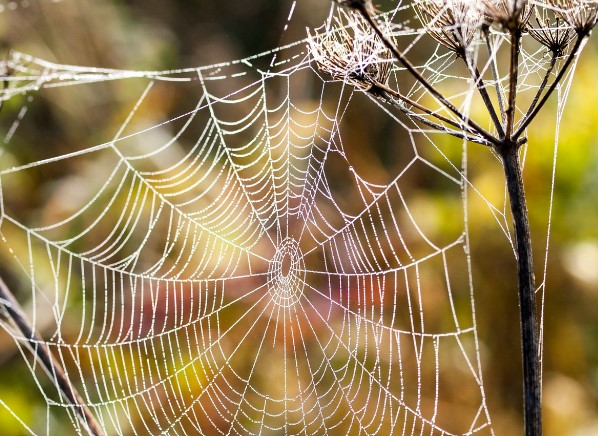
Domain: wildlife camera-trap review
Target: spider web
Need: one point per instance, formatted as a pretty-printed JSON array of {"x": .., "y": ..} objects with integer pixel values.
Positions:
[{"x": 230, "y": 269}]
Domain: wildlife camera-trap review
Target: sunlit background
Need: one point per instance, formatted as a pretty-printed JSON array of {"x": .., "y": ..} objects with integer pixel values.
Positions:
[{"x": 160, "y": 35}]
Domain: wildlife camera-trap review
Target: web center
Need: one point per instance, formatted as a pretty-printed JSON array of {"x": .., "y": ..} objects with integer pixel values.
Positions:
[
  {"x": 285, "y": 267},
  {"x": 286, "y": 274}
]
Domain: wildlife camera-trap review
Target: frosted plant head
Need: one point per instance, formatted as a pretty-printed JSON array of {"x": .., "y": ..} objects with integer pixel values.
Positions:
[
  {"x": 508, "y": 14},
  {"x": 352, "y": 52},
  {"x": 551, "y": 31},
  {"x": 582, "y": 15},
  {"x": 452, "y": 23}
]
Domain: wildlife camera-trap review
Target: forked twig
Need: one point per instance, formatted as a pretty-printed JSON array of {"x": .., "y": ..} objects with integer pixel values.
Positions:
[
  {"x": 369, "y": 18},
  {"x": 542, "y": 87},
  {"x": 395, "y": 101},
  {"x": 479, "y": 82}
]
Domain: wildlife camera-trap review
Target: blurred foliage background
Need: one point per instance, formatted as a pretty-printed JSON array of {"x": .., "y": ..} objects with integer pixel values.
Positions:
[{"x": 164, "y": 34}]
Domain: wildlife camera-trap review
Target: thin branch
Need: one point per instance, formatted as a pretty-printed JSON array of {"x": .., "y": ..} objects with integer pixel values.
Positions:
[
  {"x": 495, "y": 75},
  {"x": 543, "y": 84},
  {"x": 479, "y": 82},
  {"x": 513, "y": 80},
  {"x": 43, "y": 354},
  {"x": 5, "y": 77},
  {"x": 365, "y": 13},
  {"x": 394, "y": 102},
  {"x": 574, "y": 52},
  {"x": 383, "y": 88}
]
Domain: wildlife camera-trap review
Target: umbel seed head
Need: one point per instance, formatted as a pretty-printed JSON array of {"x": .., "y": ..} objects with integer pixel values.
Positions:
[
  {"x": 508, "y": 14},
  {"x": 582, "y": 15},
  {"x": 352, "y": 52},
  {"x": 452, "y": 23},
  {"x": 550, "y": 31}
]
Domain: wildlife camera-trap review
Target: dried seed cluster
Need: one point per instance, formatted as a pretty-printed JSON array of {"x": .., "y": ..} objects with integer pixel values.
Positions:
[
  {"x": 582, "y": 15},
  {"x": 551, "y": 31},
  {"x": 352, "y": 52},
  {"x": 452, "y": 23},
  {"x": 355, "y": 54},
  {"x": 508, "y": 14}
]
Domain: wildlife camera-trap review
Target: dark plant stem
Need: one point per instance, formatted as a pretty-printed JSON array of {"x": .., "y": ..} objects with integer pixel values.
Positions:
[
  {"x": 527, "y": 291},
  {"x": 4, "y": 77},
  {"x": 438, "y": 127},
  {"x": 395, "y": 99},
  {"x": 513, "y": 80},
  {"x": 50, "y": 364},
  {"x": 380, "y": 87},
  {"x": 479, "y": 82}
]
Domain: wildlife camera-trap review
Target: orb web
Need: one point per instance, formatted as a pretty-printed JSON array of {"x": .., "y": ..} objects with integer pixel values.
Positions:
[{"x": 234, "y": 268}]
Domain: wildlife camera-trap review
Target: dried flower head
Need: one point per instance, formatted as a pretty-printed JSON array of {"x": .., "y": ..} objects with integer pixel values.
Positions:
[
  {"x": 508, "y": 14},
  {"x": 582, "y": 15},
  {"x": 551, "y": 31},
  {"x": 452, "y": 23},
  {"x": 352, "y": 52}
]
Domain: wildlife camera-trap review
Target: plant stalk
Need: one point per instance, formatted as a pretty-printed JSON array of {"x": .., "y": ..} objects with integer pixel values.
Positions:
[
  {"x": 50, "y": 364},
  {"x": 479, "y": 82},
  {"x": 394, "y": 99},
  {"x": 553, "y": 60},
  {"x": 513, "y": 80},
  {"x": 532, "y": 401}
]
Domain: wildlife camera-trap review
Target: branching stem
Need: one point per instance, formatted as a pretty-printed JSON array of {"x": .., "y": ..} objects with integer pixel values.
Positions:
[
  {"x": 542, "y": 85},
  {"x": 507, "y": 145},
  {"x": 379, "y": 87},
  {"x": 513, "y": 80},
  {"x": 365, "y": 13},
  {"x": 391, "y": 99}
]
